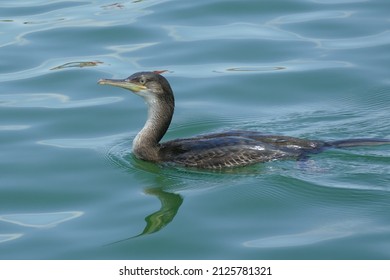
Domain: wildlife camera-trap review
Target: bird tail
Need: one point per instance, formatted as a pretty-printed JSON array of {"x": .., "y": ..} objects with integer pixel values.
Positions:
[{"x": 358, "y": 142}]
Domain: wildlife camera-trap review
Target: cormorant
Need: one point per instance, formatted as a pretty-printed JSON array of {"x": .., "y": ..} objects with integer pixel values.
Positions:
[{"x": 210, "y": 151}]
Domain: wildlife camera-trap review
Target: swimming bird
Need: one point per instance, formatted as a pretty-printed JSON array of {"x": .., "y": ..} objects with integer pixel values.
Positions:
[{"x": 210, "y": 151}]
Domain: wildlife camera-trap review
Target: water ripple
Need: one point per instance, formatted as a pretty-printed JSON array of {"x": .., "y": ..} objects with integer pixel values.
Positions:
[
  {"x": 95, "y": 143},
  {"x": 9, "y": 237},
  {"x": 51, "y": 100},
  {"x": 230, "y": 69},
  {"x": 41, "y": 69},
  {"x": 318, "y": 234},
  {"x": 305, "y": 17},
  {"x": 44, "y": 17},
  {"x": 235, "y": 31},
  {"x": 39, "y": 220},
  {"x": 269, "y": 32},
  {"x": 13, "y": 127},
  {"x": 375, "y": 40}
]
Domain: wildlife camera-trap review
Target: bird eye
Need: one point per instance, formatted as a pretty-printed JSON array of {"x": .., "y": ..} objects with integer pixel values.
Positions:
[{"x": 142, "y": 80}]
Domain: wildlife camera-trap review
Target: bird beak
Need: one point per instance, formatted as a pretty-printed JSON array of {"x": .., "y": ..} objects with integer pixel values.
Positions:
[{"x": 126, "y": 84}]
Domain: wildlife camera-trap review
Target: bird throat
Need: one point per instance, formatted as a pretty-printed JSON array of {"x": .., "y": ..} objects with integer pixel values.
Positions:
[{"x": 146, "y": 143}]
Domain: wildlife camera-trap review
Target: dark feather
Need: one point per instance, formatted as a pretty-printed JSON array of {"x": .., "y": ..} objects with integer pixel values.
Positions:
[{"x": 233, "y": 149}]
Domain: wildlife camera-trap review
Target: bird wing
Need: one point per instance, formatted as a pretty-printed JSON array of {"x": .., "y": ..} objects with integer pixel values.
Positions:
[{"x": 220, "y": 152}]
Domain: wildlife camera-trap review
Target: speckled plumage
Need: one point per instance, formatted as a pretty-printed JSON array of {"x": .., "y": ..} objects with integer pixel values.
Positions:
[{"x": 234, "y": 149}]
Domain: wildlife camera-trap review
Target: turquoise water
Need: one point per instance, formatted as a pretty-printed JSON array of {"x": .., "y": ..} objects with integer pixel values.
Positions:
[{"x": 71, "y": 189}]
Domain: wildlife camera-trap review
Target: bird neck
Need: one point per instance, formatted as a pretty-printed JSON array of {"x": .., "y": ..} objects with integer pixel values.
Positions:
[{"x": 146, "y": 143}]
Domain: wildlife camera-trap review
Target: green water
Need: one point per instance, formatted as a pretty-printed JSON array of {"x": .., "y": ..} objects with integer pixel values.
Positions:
[{"x": 71, "y": 189}]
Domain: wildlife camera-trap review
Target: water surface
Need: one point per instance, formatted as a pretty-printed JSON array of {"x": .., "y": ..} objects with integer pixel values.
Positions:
[{"x": 70, "y": 187}]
